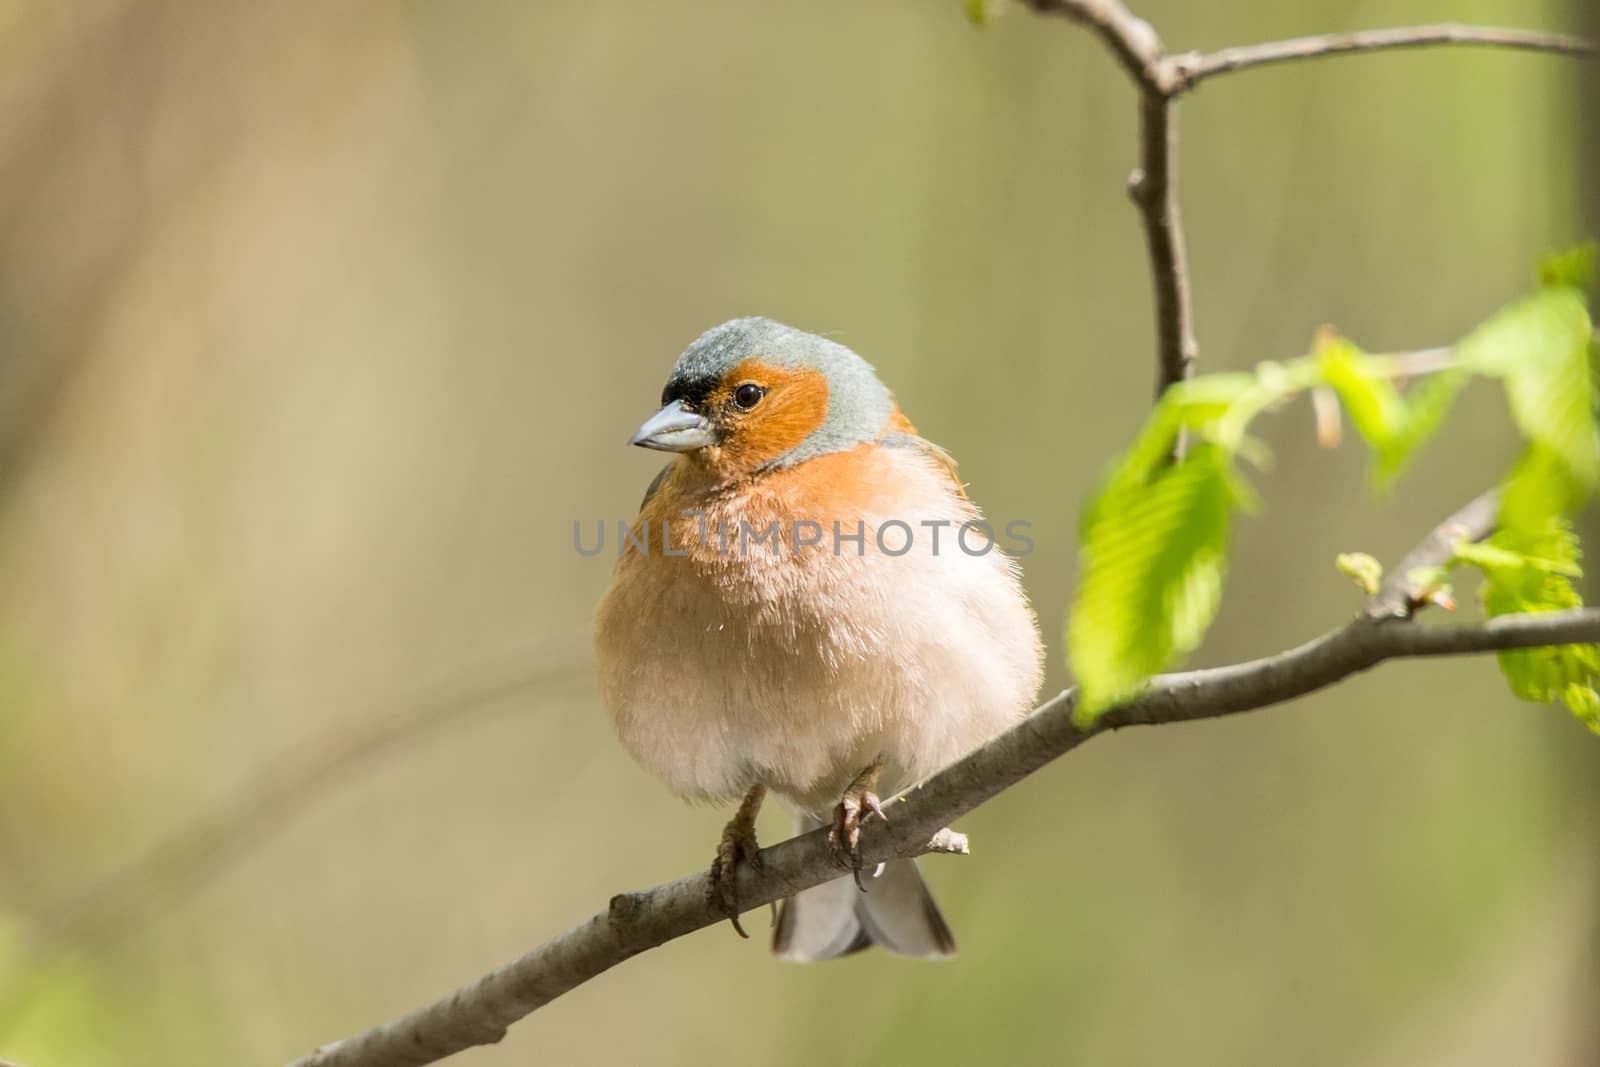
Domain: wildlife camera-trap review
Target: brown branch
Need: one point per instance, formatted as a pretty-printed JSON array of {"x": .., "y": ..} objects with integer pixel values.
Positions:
[
  {"x": 1400, "y": 596},
  {"x": 1154, "y": 189},
  {"x": 1421, "y": 362},
  {"x": 480, "y": 1013},
  {"x": 1162, "y": 77},
  {"x": 1195, "y": 68},
  {"x": 1131, "y": 39}
]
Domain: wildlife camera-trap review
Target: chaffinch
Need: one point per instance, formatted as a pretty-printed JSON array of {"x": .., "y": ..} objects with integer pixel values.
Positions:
[{"x": 793, "y": 612}]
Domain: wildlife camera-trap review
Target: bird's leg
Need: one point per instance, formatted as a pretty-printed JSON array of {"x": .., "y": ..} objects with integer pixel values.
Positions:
[
  {"x": 738, "y": 843},
  {"x": 860, "y": 802}
]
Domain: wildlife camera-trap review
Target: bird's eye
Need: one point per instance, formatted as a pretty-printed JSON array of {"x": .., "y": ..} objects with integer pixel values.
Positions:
[{"x": 748, "y": 395}]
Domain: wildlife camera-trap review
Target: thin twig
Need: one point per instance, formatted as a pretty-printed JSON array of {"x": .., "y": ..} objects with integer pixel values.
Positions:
[
  {"x": 1405, "y": 366},
  {"x": 1154, "y": 190},
  {"x": 1130, "y": 38},
  {"x": 480, "y": 1013},
  {"x": 1162, "y": 77},
  {"x": 1400, "y": 596},
  {"x": 1195, "y": 68}
]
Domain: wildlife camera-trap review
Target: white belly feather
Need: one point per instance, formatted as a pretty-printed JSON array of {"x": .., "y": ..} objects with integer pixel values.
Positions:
[{"x": 796, "y": 671}]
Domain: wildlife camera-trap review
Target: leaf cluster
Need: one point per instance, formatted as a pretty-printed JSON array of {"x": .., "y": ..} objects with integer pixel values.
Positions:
[{"x": 1154, "y": 540}]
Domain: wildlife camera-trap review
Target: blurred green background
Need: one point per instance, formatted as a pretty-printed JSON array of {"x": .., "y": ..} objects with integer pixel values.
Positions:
[{"x": 322, "y": 323}]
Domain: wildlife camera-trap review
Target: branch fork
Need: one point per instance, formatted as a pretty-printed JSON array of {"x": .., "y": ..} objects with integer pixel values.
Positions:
[{"x": 1163, "y": 77}]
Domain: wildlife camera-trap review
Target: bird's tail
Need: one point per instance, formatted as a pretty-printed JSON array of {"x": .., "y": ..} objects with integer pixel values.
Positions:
[{"x": 835, "y": 919}]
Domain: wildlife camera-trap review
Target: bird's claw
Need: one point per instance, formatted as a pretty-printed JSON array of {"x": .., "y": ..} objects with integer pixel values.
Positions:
[
  {"x": 844, "y": 836},
  {"x": 733, "y": 849},
  {"x": 738, "y": 845}
]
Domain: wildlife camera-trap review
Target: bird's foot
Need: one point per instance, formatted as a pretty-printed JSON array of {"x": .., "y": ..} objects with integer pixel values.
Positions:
[
  {"x": 738, "y": 844},
  {"x": 859, "y": 803}
]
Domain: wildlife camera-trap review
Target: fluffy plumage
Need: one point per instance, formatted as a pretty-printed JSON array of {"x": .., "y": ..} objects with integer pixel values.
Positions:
[{"x": 795, "y": 666}]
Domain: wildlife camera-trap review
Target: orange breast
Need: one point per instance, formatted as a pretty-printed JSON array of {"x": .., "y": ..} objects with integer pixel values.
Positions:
[{"x": 842, "y": 487}]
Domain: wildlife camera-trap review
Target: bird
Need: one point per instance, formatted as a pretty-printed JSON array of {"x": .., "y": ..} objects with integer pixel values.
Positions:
[{"x": 791, "y": 613}]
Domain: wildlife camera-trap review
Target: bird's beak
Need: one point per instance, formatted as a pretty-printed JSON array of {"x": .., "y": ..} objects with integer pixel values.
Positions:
[{"x": 674, "y": 429}]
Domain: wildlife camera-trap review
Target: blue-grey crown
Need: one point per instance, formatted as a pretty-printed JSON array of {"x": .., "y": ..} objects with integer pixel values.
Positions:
[{"x": 858, "y": 404}]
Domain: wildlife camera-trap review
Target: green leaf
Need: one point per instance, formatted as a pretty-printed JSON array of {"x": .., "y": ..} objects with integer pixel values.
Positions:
[
  {"x": 1529, "y": 565},
  {"x": 1584, "y": 702},
  {"x": 1394, "y": 425},
  {"x": 1190, "y": 405},
  {"x": 1153, "y": 556},
  {"x": 1571, "y": 267},
  {"x": 1515, "y": 567},
  {"x": 1370, "y": 398},
  {"x": 1541, "y": 487},
  {"x": 1362, "y": 569},
  {"x": 1426, "y": 404},
  {"x": 1539, "y": 347},
  {"x": 1554, "y": 408},
  {"x": 1537, "y": 328}
]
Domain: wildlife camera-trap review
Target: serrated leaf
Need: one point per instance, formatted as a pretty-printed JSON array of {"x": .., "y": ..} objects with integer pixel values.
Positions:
[
  {"x": 1568, "y": 673},
  {"x": 1152, "y": 560},
  {"x": 1539, "y": 347},
  {"x": 1529, "y": 565},
  {"x": 1584, "y": 702},
  {"x": 1488, "y": 556}
]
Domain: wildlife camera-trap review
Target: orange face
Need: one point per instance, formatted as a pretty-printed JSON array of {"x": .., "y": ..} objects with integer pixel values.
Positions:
[{"x": 762, "y": 411}]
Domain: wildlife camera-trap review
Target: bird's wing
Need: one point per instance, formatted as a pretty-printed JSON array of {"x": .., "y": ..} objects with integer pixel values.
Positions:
[{"x": 655, "y": 483}]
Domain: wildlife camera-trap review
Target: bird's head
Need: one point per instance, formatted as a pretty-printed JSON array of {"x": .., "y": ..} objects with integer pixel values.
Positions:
[{"x": 753, "y": 394}]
